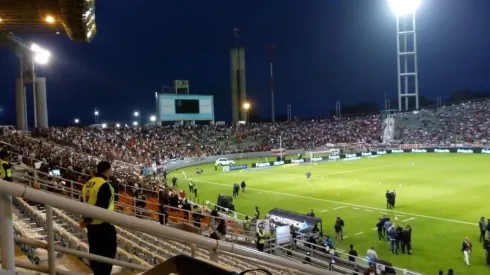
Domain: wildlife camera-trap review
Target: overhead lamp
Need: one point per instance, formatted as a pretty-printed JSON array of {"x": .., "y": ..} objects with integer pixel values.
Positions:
[
  {"x": 404, "y": 7},
  {"x": 49, "y": 19},
  {"x": 41, "y": 56}
]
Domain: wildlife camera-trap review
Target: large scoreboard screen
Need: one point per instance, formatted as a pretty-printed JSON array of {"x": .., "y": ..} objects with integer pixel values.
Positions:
[{"x": 174, "y": 107}]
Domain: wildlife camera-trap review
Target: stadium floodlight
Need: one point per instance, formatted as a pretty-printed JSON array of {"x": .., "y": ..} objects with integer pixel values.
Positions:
[
  {"x": 104, "y": 125},
  {"x": 153, "y": 118},
  {"x": 118, "y": 125},
  {"x": 404, "y": 7},
  {"x": 41, "y": 56},
  {"x": 246, "y": 106},
  {"x": 1, "y": 20},
  {"x": 49, "y": 19},
  {"x": 96, "y": 113},
  {"x": 77, "y": 121},
  {"x": 136, "y": 114},
  {"x": 135, "y": 123}
]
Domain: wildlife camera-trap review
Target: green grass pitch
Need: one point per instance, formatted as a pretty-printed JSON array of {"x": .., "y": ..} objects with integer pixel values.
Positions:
[{"x": 442, "y": 196}]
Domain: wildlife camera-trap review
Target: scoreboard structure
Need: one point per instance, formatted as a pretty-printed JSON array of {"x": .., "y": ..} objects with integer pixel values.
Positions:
[{"x": 180, "y": 108}]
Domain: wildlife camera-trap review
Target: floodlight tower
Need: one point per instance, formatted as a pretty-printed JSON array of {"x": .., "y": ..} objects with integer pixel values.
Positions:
[
  {"x": 407, "y": 52},
  {"x": 28, "y": 56}
]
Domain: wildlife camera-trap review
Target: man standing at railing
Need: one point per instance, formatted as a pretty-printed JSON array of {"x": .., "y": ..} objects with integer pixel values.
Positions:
[
  {"x": 102, "y": 239},
  {"x": 6, "y": 166}
]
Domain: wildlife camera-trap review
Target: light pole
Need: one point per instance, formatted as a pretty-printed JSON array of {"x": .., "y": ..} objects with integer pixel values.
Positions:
[
  {"x": 39, "y": 56},
  {"x": 272, "y": 50},
  {"x": 153, "y": 119},
  {"x": 246, "y": 106},
  {"x": 96, "y": 116},
  {"x": 28, "y": 56},
  {"x": 77, "y": 120},
  {"x": 406, "y": 9}
]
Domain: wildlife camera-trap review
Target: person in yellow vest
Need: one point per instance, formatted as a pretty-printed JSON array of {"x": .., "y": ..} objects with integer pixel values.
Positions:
[
  {"x": 102, "y": 239},
  {"x": 5, "y": 166},
  {"x": 260, "y": 240}
]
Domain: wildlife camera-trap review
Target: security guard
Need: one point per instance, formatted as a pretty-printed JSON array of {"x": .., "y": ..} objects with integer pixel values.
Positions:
[
  {"x": 6, "y": 166},
  {"x": 102, "y": 237},
  {"x": 260, "y": 240}
]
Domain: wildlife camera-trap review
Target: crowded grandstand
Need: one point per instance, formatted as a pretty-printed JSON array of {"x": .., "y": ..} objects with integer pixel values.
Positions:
[{"x": 144, "y": 162}]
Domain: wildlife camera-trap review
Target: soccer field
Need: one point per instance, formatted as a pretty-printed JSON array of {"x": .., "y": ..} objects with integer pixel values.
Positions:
[{"x": 441, "y": 196}]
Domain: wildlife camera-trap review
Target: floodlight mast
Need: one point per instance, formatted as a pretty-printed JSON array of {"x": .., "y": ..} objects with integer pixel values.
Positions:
[{"x": 405, "y": 10}]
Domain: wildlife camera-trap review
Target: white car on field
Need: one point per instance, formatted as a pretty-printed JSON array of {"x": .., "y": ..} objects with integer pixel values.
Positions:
[{"x": 224, "y": 162}]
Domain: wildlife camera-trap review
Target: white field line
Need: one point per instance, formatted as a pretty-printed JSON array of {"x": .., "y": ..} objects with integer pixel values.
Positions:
[
  {"x": 358, "y": 233},
  {"x": 411, "y": 219},
  {"x": 324, "y": 211},
  {"x": 340, "y": 207},
  {"x": 346, "y": 237},
  {"x": 347, "y": 204},
  {"x": 375, "y": 228},
  {"x": 335, "y": 173},
  {"x": 368, "y": 210},
  {"x": 355, "y": 208}
]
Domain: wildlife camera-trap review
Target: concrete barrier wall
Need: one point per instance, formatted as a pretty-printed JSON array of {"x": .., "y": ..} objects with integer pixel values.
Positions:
[{"x": 211, "y": 159}]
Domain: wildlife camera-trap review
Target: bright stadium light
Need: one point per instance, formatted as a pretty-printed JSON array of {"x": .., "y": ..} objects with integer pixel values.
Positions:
[
  {"x": 153, "y": 118},
  {"x": 49, "y": 19},
  {"x": 136, "y": 114},
  {"x": 118, "y": 125},
  {"x": 41, "y": 56},
  {"x": 404, "y": 7},
  {"x": 135, "y": 123},
  {"x": 96, "y": 113},
  {"x": 104, "y": 125},
  {"x": 246, "y": 106},
  {"x": 77, "y": 121}
]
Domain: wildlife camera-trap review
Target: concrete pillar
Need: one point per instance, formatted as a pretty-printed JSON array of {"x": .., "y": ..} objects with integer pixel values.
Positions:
[
  {"x": 234, "y": 85},
  {"x": 238, "y": 83},
  {"x": 41, "y": 103},
  {"x": 20, "y": 105},
  {"x": 242, "y": 84}
]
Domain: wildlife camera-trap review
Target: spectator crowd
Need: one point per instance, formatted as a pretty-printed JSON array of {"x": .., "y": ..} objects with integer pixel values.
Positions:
[{"x": 134, "y": 149}]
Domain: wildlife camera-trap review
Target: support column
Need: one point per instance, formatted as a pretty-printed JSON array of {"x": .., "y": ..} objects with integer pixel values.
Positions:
[
  {"x": 234, "y": 85},
  {"x": 41, "y": 103},
  {"x": 7, "y": 229},
  {"x": 20, "y": 105},
  {"x": 242, "y": 84}
]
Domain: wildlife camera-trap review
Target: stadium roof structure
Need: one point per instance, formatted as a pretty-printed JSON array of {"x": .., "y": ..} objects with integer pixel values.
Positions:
[{"x": 75, "y": 17}]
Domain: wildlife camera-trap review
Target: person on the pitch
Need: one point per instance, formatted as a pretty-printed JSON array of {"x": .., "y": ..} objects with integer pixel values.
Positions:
[
  {"x": 483, "y": 229},
  {"x": 243, "y": 185},
  {"x": 308, "y": 175}
]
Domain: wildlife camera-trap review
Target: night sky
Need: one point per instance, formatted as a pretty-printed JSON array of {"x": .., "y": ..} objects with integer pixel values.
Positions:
[{"x": 327, "y": 51}]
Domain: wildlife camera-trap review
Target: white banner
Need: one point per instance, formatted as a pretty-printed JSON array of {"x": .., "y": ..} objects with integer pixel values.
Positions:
[{"x": 264, "y": 225}]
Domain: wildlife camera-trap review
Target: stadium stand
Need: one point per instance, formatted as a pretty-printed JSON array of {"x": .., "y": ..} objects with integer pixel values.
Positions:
[{"x": 132, "y": 150}]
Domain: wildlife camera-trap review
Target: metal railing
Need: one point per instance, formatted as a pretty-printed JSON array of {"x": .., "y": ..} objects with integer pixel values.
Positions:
[
  {"x": 9, "y": 190},
  {"x": 321, "y": 251},
  {"x": 73, "y": 189}
]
